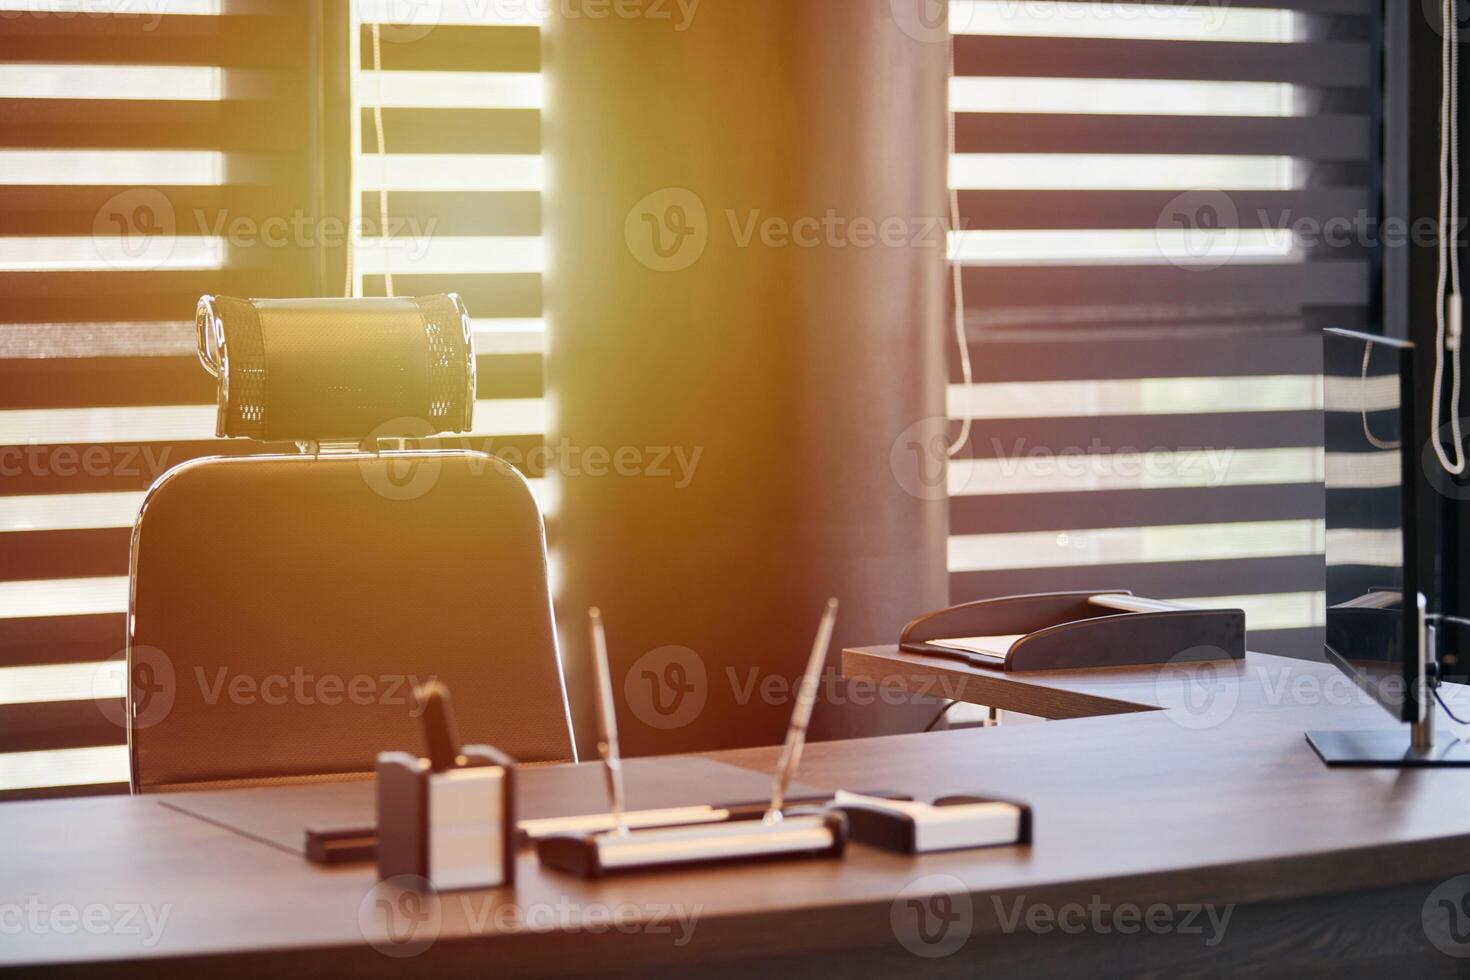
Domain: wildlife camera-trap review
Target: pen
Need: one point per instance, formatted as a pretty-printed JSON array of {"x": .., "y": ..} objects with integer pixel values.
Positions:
[
  {"x": 607, "y": 719},
  {"x": 443, "y": 741},
  {"x": 801, "y": 715}
]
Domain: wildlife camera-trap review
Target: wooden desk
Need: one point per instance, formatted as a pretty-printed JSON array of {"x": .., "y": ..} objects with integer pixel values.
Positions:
[
  {"x": 1058, "y": 694},
  {"x": 1323, "y": 871}
]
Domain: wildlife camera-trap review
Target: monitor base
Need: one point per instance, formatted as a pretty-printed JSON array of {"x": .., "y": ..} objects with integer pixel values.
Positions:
[{"x": 1386, "y": 748}]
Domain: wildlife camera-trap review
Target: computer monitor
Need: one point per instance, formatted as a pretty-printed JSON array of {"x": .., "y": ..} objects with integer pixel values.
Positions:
[{"x": 1376, "y": 609}]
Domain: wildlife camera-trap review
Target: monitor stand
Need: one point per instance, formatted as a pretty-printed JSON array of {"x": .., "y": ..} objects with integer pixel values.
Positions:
[
  {"x": 1394, "y": 748},
  {"x": 1388, "y": 748}
]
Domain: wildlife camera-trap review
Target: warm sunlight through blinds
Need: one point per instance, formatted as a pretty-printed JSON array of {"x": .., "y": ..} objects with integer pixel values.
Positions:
[
  {"x": 148, "y": 154},
  {"x": 1145, "y": 191},
  {"x": 459, "y": 97}
]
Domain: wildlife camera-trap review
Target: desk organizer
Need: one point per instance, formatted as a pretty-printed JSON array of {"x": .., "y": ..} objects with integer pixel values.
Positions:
[
  {"x": 455, "y": 828},
  {"x": 797, "y": 835},
  {"x": 1063, "y": 630},
  {"x": 950, "y": 823}
]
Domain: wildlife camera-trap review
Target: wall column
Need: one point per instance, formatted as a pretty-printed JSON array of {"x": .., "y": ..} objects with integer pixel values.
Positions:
[{"x": 746, "y": 301}]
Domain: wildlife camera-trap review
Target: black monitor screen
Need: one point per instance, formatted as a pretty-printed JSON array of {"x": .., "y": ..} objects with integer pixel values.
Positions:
[{"x": 1372, "y": 611}]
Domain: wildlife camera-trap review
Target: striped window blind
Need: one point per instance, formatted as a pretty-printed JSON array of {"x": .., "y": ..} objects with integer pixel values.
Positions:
[
  {"x": 456, "y": 100},
  {"x": 149, "y": 153},
  {"x": 148, "y": 158},
  {"x": 1146, "y": 388},
  {"x": 1152, "y": 201}
]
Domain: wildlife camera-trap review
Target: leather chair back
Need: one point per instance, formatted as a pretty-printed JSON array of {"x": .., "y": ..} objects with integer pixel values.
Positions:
[{"x": 285, "y": 606}]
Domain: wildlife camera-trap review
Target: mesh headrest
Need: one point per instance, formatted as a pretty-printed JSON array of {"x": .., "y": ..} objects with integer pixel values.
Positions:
[{"x": 295, "y": 370}]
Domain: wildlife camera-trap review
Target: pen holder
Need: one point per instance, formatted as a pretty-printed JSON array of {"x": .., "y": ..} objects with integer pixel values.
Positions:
[
  {"x": 815, "y": 835},
  {"x": 455, "y": 829},
  {"x": 949, "y": 823}
]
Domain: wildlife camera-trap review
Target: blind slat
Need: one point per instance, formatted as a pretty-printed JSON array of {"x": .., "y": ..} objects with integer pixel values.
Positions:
[
  {"x": 1157, "y": 580},
  {"x": 1282, "y": 288},
  {"x": 1280, "y": 211},
  {"x": 1135, "y": 508},
  {"x": 1316, "y": 137},
  {"x": 1323, "y": 64}
]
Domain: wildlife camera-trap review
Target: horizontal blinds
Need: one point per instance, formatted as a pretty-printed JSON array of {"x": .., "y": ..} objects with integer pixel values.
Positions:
[
  {"x": 456, "y": 101},
  {"x": 146, "y": 157},
  {"x": 203, "y": 108},
  {"x": 1189, "y": 387},
  {"x": 1161, "y": 204}
]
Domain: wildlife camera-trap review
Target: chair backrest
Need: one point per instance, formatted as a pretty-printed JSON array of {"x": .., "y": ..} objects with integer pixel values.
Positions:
[{"x": 284, "y": 607}]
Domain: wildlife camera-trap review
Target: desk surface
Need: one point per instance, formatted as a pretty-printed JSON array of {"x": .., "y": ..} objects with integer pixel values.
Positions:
[
  {"x": 1060, "y": 694},
  {"x": 1173, "y": 806}
]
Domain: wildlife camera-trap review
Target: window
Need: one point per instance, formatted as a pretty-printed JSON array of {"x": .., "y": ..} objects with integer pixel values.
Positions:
[
  {"x": 148, "y": 154},
  {"x": 1146, "y": 194},
  {"x": 1146, "y": 189},
  {"x": 458, "y": 181}
]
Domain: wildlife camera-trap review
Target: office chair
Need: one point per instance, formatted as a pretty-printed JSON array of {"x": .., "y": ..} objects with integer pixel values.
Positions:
[{"x": 283, "y": 607}]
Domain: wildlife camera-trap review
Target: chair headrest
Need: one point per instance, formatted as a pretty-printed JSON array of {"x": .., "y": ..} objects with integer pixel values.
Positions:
[{"x": 303, "y": 370}]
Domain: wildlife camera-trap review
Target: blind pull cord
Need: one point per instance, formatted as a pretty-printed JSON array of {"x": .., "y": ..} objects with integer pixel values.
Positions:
[{"x": 1449, "y": 308}]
